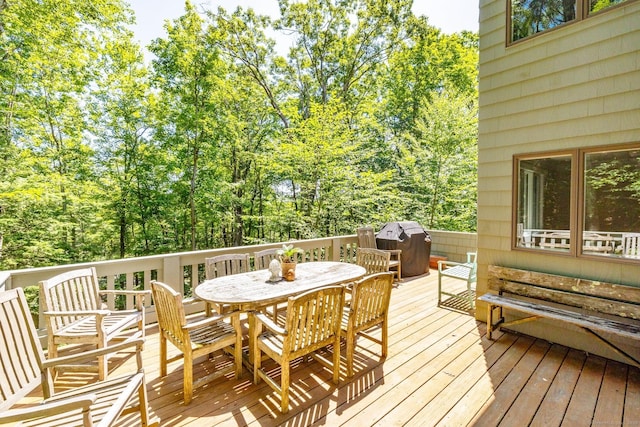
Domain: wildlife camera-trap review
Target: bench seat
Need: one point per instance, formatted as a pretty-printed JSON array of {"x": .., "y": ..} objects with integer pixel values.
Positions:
[{"x": 582, "y": 319}]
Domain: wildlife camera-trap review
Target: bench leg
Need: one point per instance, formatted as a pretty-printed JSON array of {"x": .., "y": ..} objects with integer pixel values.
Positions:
[
  {"x": 491, "y": 326},
  {"x": 489, "y": 320}
]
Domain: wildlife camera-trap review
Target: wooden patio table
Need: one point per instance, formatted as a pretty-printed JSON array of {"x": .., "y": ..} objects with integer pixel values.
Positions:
[{"x": 253, "y": 291}]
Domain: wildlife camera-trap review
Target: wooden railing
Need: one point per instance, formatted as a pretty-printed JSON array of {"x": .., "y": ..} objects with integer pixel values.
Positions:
[
  {"x": 186, "y": 269},
  {"x": 181, "y": 270}
]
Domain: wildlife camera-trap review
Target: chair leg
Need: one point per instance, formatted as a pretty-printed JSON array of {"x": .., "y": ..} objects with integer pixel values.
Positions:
[
  {"x": 188, "y": 377},
  {"x": 163, "y": 355},
  {"x": 141, "y": 327},
  {"x": 284, "y": 385},
  {"x": 385, "y": 338},
  {"x": 255, "y": 329},
  {"x": 237, "y": 351},
  {"x": 336, "y": 360},
  {"x": 144, "y": 405},
  {"x": 52, "y": 352},
  {"x": 103, "y": 364},
  {"x": 351, "y": 343}
]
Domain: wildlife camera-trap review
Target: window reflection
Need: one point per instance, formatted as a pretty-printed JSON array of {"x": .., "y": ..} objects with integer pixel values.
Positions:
[
  {"x": 598, "y": 5},
  {"x": 612, "y": 203},
  {"x": 529, "y": 17},
  {"x": 544, "y": 203}
]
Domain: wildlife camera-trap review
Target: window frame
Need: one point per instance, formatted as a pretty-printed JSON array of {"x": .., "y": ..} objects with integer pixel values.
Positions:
[
  {"x": 582, "y": 13},
  {"x": 576, "y": 201}
]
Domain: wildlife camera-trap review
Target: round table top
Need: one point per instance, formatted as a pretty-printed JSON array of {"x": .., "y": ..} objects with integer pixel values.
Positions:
[{"x": 253, "y": 289}]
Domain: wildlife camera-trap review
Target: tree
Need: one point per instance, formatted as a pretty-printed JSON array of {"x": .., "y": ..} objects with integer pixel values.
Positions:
[
  {"x": 123, "y": 108},
  {"x": 439, "y": 163},
  {"x": 49, "y": 51},
  {"x": 187, "y": 71}
]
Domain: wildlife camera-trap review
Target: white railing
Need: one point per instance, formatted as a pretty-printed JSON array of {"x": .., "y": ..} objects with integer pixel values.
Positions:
[{"x": 594, "y": 242}]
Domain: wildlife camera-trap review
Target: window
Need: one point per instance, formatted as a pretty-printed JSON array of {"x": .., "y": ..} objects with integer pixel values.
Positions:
[
  {"x": 584, "y": 202},
  {"x": 544, "y": 201},
  {"x": 598, "y": 5},
  {"x": 530, "y": 17}
]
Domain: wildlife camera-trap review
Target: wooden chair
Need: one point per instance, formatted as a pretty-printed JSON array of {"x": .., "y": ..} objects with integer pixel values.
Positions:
[
  {"x": 369, "y": 307},
  {"x": 261, "y": 260},
  {"x": 25, "y": 368},
  {"x": 194, "y": 339},
  {"x": 225, "y": 265},
  {"x": 313, "y": 322},
  {"x": 461, "y": 271},
  {"x": 367, "y": 239},
  {"x": 74, "y": 314},
  {"x": 373, "y": 260}
]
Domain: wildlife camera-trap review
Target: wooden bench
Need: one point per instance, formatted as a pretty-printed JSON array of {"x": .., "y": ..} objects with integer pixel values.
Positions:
[{"x": 596, "y": 307}]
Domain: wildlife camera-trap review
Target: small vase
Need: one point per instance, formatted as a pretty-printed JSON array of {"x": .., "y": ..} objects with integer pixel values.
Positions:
[{"x": 289, "y": 271}]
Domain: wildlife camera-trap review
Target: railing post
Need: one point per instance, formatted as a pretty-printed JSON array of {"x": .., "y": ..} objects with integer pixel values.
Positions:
[
  {"x": 334, "y": 253},
  {"x": 172, "y": 273}
]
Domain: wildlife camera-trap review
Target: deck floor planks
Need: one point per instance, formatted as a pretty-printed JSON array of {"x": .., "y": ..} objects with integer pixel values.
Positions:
[
  {"x": 585, "y": 394},
  {"x": 479, "y": 391},
  {"x": 610, "y": 404},
  {"x": 525, "y": 406},
  {"x": 551, "y": 411},
  {"x": 631, "y": 416},
  {"x": 403, "y": 385},
  {"x": 508, "y": 390},
  {"x": 496, "y": 375},
  {"x": 397, "y": 369},
  {"x": 438, "y": 410},
  {"x": 423, "y": 338}
]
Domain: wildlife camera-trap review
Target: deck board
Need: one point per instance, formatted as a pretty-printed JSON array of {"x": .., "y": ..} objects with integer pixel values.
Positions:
[
  {"x": 441, "y": 370},
  {"x": 552, "y": 408}
]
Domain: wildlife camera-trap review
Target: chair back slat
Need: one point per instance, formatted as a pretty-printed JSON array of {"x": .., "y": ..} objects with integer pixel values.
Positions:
[
  {"x": 366, "y": 238},
  {"x": 224, "y": 265},
  {"x": 170, "y": 311},
  {"x": 370, "y": 300},
  {"x": 313, "y": 319},
  {"x": 373, "y": 260},
  {"x": 263, "y": 258},
  {"x": 76, "y": 290},
  {"x": 20, "y": 351}
]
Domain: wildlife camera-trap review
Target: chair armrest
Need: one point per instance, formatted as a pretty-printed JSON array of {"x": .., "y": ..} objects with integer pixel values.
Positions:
[
  {"x": 210, "y": 320},
  {"x": 443, "y": 263},
  {"x": 77, "y": 313},
  {"x": 270, "y": 324},
  {"x": 125, "y": 292},
  {"x": 140, "y": 295},
  {"x": 135, "y": 340},
  {"x": 396, "y": 252},
  {"x": 47, "y": 409}
]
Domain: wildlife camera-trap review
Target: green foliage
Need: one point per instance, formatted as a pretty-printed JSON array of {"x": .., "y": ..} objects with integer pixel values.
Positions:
[{"x": 219, "y": 141}]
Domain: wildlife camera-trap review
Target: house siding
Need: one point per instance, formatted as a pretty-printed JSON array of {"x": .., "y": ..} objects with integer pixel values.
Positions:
[{"x": 574, "y": 86}]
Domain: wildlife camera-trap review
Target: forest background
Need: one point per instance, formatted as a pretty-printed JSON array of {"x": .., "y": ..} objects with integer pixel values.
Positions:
[{"x": 219, "y": 141}]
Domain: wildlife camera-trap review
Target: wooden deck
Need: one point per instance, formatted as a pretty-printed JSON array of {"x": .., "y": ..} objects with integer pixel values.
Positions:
[{"x": 441, "y": 370}]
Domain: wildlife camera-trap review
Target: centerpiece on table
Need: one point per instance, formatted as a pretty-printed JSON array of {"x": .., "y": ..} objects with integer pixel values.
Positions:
[{"x": 288, "y": 259}]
